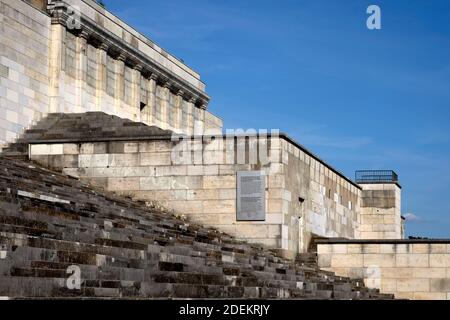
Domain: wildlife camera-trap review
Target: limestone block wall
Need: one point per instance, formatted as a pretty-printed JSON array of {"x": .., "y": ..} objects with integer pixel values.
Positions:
[
  {"x": 24, "y": 66},
  {"x": 327, "y": 202},
  {"x": 381, "y": 211},
  {"x": 304, "y": 196},
  {"x": 408, "y": 269}
]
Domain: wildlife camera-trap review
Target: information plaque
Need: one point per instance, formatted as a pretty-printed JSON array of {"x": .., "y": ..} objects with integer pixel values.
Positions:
[{"x": 251, "y": 200}]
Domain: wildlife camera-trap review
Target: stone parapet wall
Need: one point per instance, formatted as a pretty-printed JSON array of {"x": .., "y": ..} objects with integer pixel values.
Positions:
[
  {"x": 408, "y": 269},
  {"x": 298, "y": 185}
]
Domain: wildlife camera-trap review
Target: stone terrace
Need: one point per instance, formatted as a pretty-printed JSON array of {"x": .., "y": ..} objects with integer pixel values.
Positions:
[{"x": 126, "y": 249}]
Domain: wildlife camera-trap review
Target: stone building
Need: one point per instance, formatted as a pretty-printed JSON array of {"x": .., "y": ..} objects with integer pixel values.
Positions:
[
  {"x": 75, "y": 56},
  {"x": 92, "y": 97}
]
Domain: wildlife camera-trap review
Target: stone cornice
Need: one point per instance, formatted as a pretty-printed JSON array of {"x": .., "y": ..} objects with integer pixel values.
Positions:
[{"x": 58, "y": 11}]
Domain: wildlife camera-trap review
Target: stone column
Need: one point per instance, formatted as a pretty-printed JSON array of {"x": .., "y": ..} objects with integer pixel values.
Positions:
[
  {"x": 81, "y": 70},
  {"x": 152, "y": 98},
  {"x": 57, "y": 54},
  {"x": 165, "y": 106},
  {"x": 178, "y": 110},
  {"x": 136, "y": 97},
  {"x": 120, "y": 83},
  {"x": 190, "y": 115},
  {"x": 199, "y": 125},
  {"x": 102, "y": 52}
]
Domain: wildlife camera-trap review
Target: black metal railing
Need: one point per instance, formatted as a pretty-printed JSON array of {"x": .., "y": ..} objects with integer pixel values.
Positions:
[{"x": 375, "y": 176}]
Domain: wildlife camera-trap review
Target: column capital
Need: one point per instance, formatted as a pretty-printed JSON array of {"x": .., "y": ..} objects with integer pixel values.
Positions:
[
  {"x": 154, "y": 76},
  {"x": 122, "y": 57},
  {"x": 84, "y": 34},
  {"x": 138, "y": 67},
  {"x": 104, "y": 46},
  {"x": 167, "y": 85},
  {"x": 180, "y": 93},
  {"x": 192, "y": 100}
]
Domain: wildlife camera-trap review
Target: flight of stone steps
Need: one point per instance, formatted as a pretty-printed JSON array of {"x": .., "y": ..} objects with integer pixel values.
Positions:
[
  {"x": 124, "y": 249},
  {"x": 81, "y": 126}
]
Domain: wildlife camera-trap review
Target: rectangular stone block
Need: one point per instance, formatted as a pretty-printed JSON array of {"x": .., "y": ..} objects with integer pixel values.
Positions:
[
  {"x": 87, "y": 148},
  {"x": 413, "y": 285},
  {"x": 202, "y": 194},
  {"x": 346, "y": 260},
  {"x": 324, "y": 260},
  {"x": 219, "y": 206},
  {"x": 147, "y": 146},
  {"x": 93, "y": 160},
  {"x": 170, "y": 171},
  {"x": 379, "y": 260},
  {"x": 429, "y": 272},
  {"x": 324, "y": 249},
  {"x": 70, "y": 148},
  {"x": 163, "y": 146},
  {"x": 101, "y": 147},
  {"x": 69, "y": 161},
  {"x": 439, "y": 285},
  {"x": 439, "y": 260},
  {"x": 155, "y": 183},
  {"x": 188, "y": 183},
  {"x": 371, "y": 248},
  {"x": 412, "y": 260},
  {"x": 438, "y": 248},
  {"x": 339, "y": 248},
  {"x": 388, "y": 285},
  {"x": 227, "y": 194},
  {"x": 46, "y": 149},
  {"x": 219, "y": 182},
  {"x": 131, "y": 147},
  {"x": 155, "y": 159},
  {"x": 430, "y": 296},
  {"x": 397, "y": 273},
  {"x": 252, "y": 231},
  {"x": 387, "y": 248},
  {"x": 421, "y": 248},
  {"x": 124, "y": 160},
  {"x": 354, "y": 248},
  {"x": 123, "y": 184}
]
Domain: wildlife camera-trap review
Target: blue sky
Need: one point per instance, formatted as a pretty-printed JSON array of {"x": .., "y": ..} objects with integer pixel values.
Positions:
[{"x": 359, "y": 98}]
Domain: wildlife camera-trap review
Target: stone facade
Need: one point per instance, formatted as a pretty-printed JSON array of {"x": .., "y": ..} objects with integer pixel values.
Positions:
[
  {"x": 75, "y": 56},
  {"x": 408, "y": 269}
]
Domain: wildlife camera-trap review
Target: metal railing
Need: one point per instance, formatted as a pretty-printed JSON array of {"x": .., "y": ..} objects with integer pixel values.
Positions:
[{"x": 375, "y": 176}]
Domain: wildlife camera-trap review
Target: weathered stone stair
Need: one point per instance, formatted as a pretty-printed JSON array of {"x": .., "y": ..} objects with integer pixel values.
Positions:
[{"x": 124, "y": 249}]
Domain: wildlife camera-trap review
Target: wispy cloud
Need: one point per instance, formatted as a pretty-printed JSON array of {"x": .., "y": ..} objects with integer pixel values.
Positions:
[{"x": 411, "y": 217}]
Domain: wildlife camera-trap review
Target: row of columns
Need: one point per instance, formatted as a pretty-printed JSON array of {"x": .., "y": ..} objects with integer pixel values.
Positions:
[{"x": 171, "y": 115}]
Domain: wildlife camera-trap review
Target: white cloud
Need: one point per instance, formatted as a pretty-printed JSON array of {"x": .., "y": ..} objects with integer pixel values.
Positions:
[{"x": 411, "y": 217}]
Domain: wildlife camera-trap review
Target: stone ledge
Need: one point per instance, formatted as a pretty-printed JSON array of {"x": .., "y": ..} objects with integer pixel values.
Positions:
[{"x": 380, "y": 241}]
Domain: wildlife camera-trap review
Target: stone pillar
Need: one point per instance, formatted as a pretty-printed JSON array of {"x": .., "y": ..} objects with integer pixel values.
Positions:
[
  {"x": 136, "y": 96},
  {"x": 381, "y": 211},
  {"x": 178, "y": 110},
  {"x": 199, "y": 125},
  {"x": 57, "y": 54},
  {"x": 190, "y": 115},
  {"x": 81, "y": 70},
  {"x": 102, "y": 52},
  {"x": 165, "y": 106},
  {"x": 120, "y": 83},
  {"x": 152, "y": 98}
]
